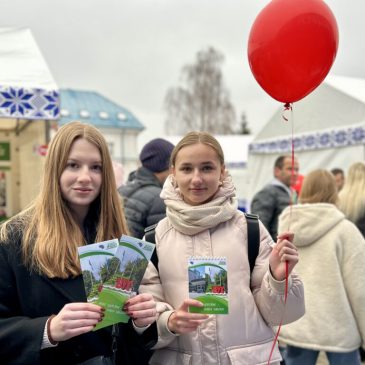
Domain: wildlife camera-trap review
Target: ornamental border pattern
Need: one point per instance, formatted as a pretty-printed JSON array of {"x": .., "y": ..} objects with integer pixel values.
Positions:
[
  {"x": 341, "y": 137},
  {"x": 29, "y": 103}
]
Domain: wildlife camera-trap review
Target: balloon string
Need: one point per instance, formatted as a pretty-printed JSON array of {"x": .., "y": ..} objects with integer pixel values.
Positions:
[
  {"x": 292, "y": 191},
  {"x": 287, "y": 107},
  {"x": 282, "y": 317}
]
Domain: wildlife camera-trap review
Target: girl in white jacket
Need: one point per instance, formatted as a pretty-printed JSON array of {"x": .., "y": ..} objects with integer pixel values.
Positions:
[
  {"x": 203, "y": 220},
  {"x": 332, "y": 267}
]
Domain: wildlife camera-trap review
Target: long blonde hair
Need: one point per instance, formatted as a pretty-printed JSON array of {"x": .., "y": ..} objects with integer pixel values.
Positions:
[
  {"x": 352, "y": 195},
  {"x": 319, "y": 186},
  {"x": 50, "y": 233}
]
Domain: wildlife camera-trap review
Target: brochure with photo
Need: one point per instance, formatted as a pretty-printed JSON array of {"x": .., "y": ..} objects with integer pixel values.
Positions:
[
  {"x": 208, "y": 284},
  {"x": 112, "y": 272}
]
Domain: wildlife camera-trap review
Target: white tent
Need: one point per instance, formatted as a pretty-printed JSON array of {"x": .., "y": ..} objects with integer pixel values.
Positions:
[
  {"x": 27, "y": 88},
  {"x": 29, "y": 100},
  {"x": 327, "y": 128}
]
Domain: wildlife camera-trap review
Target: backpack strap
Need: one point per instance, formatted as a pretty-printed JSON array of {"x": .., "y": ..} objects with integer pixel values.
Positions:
[
  {"x": 149, "y": 233},
  {"x": 149, "y": 236},
  {"x": 253, "y": 238}
]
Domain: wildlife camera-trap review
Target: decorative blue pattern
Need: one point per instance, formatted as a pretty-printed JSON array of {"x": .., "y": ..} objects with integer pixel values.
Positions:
[
  {"x": 341, "y": 137},
  {"x": 29, "y": 103}
]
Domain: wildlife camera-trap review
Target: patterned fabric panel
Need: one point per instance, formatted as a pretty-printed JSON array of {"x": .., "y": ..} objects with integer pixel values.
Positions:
[{"x": 27, "y": 103}]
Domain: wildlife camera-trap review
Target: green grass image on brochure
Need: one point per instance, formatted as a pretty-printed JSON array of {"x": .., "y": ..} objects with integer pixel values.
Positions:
[
  {"x": 212, "y": 305},
  {"x": 113, "y": 302}
]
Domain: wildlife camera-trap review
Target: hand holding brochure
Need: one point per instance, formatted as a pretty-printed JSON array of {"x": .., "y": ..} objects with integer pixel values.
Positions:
[
  {"x": 112, "y": 272},
  {"x": 208, "y": 284}
]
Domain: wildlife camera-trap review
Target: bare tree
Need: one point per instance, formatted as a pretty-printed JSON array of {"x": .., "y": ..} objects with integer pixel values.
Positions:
[{"x": 201, "y": 102}]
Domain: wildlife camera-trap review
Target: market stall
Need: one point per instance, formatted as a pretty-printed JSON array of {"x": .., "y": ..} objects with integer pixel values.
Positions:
[{"x": 29, "y": 101}]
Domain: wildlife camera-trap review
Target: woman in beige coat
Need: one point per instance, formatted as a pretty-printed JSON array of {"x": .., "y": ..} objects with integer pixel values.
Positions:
[
  {"x": 332, "y": 267},
  {"x": 203, "y": 220}
]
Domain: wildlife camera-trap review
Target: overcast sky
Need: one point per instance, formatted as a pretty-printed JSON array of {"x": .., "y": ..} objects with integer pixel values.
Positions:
[{"x": 132, "y": 51}]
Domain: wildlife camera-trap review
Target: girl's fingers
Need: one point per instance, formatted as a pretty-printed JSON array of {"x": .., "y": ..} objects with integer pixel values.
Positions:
[
  {"x": 89, "y": 307},
  {"x": 285, "y": 243},
  {"x": 140, "y": 306},
  {"x": 288, "y": 251},
  {"x": 285, "y": 236},
  {"x": 140, "y": 298},
  {"x": 186, "y": 316},
  {"x": 181, "y": 321},
  {"x": 140, "y": 303},
  {"x": 146, "y": 313},
  {"x": 80, "y": 315}
]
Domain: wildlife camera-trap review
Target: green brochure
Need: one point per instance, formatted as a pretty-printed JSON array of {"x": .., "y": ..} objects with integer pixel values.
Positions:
[
  {"x": 208, "y": 284},
  {"x": 112, "y": 272}
]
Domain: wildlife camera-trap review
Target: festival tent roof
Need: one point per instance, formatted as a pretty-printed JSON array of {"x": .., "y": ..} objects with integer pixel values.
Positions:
[
  {"x": 327, "y": 129},
  {"x": 93, "y": 108},
  {"x": 27, "y": 88}
]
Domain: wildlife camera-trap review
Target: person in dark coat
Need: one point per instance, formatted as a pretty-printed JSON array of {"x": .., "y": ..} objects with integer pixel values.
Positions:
[
  {"x": 269, "y": 202},
  {"x": 141, "y": 194},
  {"x": 44, "y": 315}
]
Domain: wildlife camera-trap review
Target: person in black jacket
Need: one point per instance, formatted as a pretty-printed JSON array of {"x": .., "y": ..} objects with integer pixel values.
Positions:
[
  {"x": 141, "y": 194},
  {"x": 269, "y": 202},
  {"x": 44, "y": 315}
]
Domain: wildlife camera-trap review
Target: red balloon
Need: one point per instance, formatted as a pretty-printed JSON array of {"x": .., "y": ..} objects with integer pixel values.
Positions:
[{"x": 292, "y": 46}]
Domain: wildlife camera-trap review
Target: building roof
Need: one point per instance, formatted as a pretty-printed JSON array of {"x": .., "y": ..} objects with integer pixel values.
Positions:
[{"x": 93, "y": 108}]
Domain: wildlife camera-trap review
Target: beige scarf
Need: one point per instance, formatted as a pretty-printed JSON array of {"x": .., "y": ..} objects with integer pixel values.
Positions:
[{"x": 191, "y": 220}]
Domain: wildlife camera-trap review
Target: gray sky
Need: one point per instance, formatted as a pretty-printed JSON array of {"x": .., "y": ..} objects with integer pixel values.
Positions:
[{"x": 132, "y": 51}]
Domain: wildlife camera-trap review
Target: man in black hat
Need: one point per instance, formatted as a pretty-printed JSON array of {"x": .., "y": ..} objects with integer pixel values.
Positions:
[{"x": 142, "y": 203}]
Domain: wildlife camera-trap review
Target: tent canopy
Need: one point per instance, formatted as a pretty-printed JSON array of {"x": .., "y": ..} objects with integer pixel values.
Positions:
[
  {"x": 27, "y": 88},
  {"x": 337, "y": 102},
  {"x": 328, "y": 131}
]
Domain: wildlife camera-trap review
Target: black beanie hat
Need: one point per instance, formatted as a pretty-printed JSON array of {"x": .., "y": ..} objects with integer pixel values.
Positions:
[{"x": 155, "y": 155}]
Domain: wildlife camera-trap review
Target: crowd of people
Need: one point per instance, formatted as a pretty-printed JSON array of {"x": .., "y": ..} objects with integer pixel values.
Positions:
[
  {"x": 331, "y": 266},
  {"x": 308, "y": 275},
  {"x": 328, "y": 219}
]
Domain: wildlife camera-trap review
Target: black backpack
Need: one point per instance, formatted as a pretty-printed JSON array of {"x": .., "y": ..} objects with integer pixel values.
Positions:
[{"x": 253, "y": 239}]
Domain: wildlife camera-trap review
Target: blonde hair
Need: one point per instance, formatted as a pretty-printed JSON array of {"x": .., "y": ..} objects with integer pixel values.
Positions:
[
  {"x": 319, "y": 186},
  {"x": 352, "y": 195},
  {"x": 50, "y": 233},
  {"x": 195, "y": 137}
]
